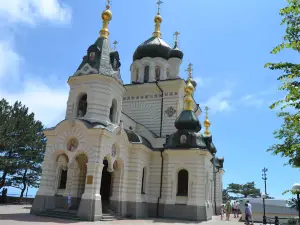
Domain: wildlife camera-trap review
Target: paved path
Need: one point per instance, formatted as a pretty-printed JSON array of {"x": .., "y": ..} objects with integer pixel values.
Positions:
[{"x": 19, "y": 215}]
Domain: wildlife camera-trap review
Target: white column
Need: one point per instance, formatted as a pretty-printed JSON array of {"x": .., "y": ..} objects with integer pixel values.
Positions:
[
  {"x": 48, "y": 179},
  {"x": 92, "y": 191}
]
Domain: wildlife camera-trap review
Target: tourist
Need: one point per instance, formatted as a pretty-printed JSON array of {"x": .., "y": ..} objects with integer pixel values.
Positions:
[
  {"x": 222, "y": 211},
  {"x": 247, "y": 214},
  {"x": 69, "y": 201},
  {"x": 235, "y": 209},
  {"x": 228, "y": 210},
  {"x": 250, "y": 208}
]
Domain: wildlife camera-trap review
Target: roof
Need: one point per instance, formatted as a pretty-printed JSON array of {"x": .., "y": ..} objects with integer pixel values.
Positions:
[{"x": 155, "y": 47}]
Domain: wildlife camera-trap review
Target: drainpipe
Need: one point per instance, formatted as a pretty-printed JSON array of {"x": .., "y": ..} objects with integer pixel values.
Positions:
[
  {"x": 161, "y": 179},
  {"x": 215, "y": 179},
  {"x": 161, "y": 108}
]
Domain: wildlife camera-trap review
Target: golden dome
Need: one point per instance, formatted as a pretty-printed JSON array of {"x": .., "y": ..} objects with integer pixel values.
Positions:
[
  {"x": 158, "y": 19},
  {"x": 107, "y": 14},
  {"x": 206, "y": 123},
  {"x": 189, "y": 89}
]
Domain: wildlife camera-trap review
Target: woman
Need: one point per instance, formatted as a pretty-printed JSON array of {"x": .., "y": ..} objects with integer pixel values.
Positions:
[{"x": 228, "y": 210}]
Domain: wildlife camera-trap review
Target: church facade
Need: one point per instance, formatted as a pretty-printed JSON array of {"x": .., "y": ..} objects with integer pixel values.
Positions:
[{"x": 136, "y": 149}]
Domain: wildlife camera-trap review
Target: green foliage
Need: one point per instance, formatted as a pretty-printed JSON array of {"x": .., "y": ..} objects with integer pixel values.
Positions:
[
  {"x": 225, "y": 195},
  {"x": 246, "y": 190},
  {"x": 22, "y": 146},
  {"x": 288, "y": 133},
  {"x": 293, "y": 203}
]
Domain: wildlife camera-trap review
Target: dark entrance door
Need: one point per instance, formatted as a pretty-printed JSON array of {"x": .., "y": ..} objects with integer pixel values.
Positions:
[{"x": 105, "y": 182}]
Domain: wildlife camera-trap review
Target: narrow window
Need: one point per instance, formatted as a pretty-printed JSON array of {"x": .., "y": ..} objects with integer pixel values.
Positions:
[
  {"x": 63, "y": 179},
  {"x": 113, "y": 111},
  {"x": 146, "y": 74},
  {"x": 137, "y": 74},
  {"x": 143, "y": 182},
  {"x": 157, "y": 73},
  {"x": 82, "y": 106},
  {"x": 182, "y": 183}
]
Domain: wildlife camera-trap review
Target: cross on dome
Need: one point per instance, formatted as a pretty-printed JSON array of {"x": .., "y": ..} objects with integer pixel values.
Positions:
[
  {"x": 159, "y": 2},
  {"x": 115, "y": 45},
  {"x": 190, "y": 70}
]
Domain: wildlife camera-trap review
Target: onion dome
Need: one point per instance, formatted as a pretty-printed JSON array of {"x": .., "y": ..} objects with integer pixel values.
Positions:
[
  {"x": 187, "y": 119},
  {"x": 176, "y": 52},
  {"x": 153, "y": 47},
  {"x": 156, "y": 46}
]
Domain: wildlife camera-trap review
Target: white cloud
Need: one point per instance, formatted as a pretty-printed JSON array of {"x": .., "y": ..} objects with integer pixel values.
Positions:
[
  {"x": 9, "y": 60},
  {"x": 220, "y": 102},
  {"x": 47, "y": 103},
  {"x": 31, "y": 11},
  {"x": 253, "y": 100}
]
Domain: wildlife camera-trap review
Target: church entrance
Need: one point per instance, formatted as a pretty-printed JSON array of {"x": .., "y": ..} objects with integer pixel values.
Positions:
[{"x": 105, "y": 190}]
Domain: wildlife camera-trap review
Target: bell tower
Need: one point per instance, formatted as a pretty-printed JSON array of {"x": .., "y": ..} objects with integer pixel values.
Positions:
[{"x": 96, "y": 88}]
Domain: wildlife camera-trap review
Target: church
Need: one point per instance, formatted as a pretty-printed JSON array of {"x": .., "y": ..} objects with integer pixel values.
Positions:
[{"x": 131, "y": 150}]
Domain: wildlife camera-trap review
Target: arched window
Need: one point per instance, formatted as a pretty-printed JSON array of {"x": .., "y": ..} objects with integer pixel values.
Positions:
[
  {"x": 157, "y": 73},
  {"x": 137, "y": 71},
  {"x": 113, "y": 111},
  {"x": 82, "y": 106},
  {"x": 183, "y": 183},
  {"x": 146, "y": 74},
  {"x": 63, "y": 179},
  {"x": 143, "y": 190},
  {"x": 168, "y": 73}
]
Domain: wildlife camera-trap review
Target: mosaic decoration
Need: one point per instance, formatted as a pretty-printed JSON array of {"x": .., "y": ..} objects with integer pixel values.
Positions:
[
  {"x": 170, "y": 111},
  {"x": 72, "y": 144},
  {"x": 183, "y": 139}
]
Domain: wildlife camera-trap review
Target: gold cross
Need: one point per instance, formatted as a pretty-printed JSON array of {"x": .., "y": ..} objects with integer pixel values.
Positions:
[
  {"x": 190, "y": 70},
  {"x": 176, "y": 35},
  {"x": 108, "y": 2},
  {"x": 115, "y": 45},
  {"x": 159, "y": 2},
  {"x": 206, "y": 111}
]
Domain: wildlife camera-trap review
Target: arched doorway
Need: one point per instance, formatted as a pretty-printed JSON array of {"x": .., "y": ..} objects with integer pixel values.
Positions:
[{"x": 105, "y": 190}]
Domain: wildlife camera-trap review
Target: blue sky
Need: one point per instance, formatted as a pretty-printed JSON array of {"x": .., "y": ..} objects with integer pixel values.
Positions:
[{"x": 228, "y": 42}]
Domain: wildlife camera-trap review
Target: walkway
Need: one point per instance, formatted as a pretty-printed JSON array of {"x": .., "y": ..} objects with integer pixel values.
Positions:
[{"x": 19, "y": 215}]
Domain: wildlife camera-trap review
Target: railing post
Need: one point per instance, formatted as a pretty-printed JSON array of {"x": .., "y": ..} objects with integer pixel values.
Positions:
[{"x": 276, "y": 220}]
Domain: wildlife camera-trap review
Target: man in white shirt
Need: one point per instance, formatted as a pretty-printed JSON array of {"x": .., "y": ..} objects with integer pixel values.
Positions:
[{"x": 250, "y": 207}]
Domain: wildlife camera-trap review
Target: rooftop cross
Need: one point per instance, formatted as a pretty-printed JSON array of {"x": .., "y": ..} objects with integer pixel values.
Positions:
[
  {"x": 115, "y": 45},
  {"x": 206, "y": 111},
  {"x": 159, "y": 2},
  {"x": 108, "y": 2},
  {"x": 176, "y": 36},
  {"x": 190, "y": 70}
]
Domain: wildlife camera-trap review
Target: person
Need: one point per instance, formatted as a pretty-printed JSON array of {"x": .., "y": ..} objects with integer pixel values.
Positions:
[
  {"x": 228, "y": 210},
  {"x": 247, "y": 214},
  {"x": 222, "y": 211},
  {"x": 250, "y": 208},
  {"x": 235, "y": 209},
  {"x": 69, "y": 201}
]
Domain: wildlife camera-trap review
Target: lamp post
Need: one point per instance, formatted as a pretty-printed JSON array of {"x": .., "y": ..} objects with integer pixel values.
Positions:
[
  {"x": 263, "y": 196},
  {"x": 264, "y": 177},
  {"x": 296, "y": 187}
]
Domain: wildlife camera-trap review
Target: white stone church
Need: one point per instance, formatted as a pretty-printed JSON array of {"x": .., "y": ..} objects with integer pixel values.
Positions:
[{"x": 132, "y": 149}]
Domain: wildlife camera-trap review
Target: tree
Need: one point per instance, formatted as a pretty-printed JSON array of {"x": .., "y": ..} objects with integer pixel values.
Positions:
[
  {"x": 293, "y": 203},
  {"x": 246, "y": 190},
  {"x": 288, "y": 133},
  {"x": 225, "y": 195},
  {"x": 22, "y": 146}
]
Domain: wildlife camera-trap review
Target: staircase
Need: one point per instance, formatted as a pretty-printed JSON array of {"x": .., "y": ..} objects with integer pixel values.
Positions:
[
  {"x": 107, "y": 213},
  {"x": 61, "y": 214}
]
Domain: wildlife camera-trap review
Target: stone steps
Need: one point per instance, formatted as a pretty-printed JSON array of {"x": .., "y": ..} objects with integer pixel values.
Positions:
[{"x": 71, "y": 215}]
